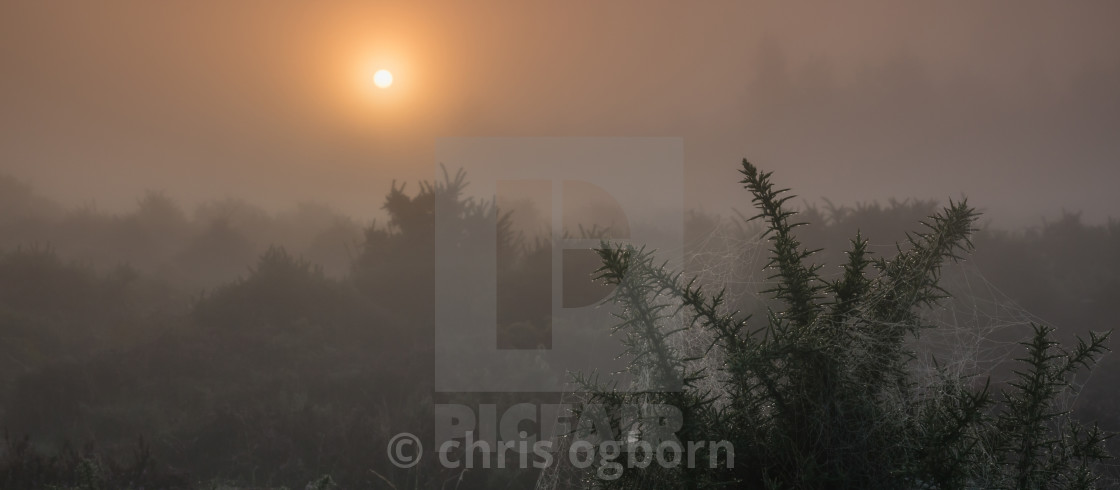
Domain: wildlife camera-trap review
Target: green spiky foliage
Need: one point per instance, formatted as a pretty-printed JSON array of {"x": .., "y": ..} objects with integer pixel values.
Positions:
[
  {"x": 1036, "y": 440},
  {"x": 821, "y": 393}
]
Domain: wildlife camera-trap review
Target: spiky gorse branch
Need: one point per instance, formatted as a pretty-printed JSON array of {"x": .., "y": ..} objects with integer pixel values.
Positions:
[
  {"x": 819, "y": 394},
  {"x": 1041, "y": 446}
]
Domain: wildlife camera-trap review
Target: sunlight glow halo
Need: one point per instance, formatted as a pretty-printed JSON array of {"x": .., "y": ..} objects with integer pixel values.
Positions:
[{"x": 383, "y": 78}]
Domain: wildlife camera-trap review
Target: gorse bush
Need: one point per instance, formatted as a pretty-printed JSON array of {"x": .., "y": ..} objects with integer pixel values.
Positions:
[{"x": 823, "y": 392}]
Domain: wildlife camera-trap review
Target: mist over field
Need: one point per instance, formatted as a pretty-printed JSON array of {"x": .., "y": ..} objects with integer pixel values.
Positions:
[
  {"x": 229, "y": 338},
  {"x": 1015, "y": 102},
  {"x": 229, "y": 257}
]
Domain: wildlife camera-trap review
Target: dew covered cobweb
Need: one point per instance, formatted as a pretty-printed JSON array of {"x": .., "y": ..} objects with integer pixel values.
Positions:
[{"x": 973, "y": 334}]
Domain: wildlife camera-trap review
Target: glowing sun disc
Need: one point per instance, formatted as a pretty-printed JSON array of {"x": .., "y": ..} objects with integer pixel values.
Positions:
[{"x": 383, "y": 78}]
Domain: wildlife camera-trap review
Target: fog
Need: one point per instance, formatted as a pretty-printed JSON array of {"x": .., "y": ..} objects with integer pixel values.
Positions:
[
  {"x": 229, "y": 260},
  {"x": 1014, "y": 104}
]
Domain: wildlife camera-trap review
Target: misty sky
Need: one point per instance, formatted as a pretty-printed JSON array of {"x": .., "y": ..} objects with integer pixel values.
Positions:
[{"x": 1014, "y": 104}]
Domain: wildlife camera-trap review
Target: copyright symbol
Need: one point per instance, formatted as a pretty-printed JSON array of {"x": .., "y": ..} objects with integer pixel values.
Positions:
[{"x": 397, "y": 454}]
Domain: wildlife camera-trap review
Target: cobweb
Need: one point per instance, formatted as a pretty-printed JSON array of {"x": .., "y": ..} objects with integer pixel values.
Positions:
[
  {"x": 977, "y": 330},
  {"x": 975, "y": 333}
]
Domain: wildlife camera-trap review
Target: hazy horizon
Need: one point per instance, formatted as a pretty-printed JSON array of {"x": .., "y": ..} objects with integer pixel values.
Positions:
[
  {"x": 276, "y": 244},
  {"x": 1012, "y": 104}
]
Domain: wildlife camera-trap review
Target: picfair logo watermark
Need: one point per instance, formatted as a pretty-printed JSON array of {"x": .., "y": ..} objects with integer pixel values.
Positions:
[{"x": 516, "y": 309}]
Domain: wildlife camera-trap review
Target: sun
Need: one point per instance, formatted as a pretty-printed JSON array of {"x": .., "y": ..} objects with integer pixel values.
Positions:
[{"x": 383, "y": 78}]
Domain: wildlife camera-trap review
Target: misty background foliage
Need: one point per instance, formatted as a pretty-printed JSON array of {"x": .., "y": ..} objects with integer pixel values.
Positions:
[{"x": 175, "y": 348}]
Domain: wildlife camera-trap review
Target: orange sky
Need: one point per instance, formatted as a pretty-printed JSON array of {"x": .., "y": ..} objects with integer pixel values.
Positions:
[{"x": 1013, "y": 103}]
